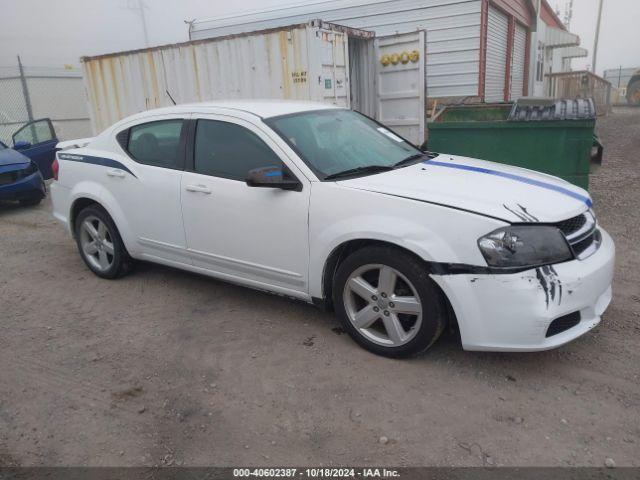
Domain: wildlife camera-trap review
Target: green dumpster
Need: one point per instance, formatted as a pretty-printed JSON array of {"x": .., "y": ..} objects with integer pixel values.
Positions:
[{"x": 554, "y": 137}]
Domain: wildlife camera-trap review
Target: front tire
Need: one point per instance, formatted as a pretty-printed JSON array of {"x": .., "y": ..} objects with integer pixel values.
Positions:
[
  {"x": 387, "y": 302},
  {"x": 100, "y": 244}
]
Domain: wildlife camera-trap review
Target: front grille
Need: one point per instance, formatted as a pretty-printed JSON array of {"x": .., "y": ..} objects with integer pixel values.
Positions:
[
  {"x": 562, "y": 324},
  {"x": 581, "y": 233},
  {"x": 7, "y": 178},
  {"x": 572, "y": 225},
  {"x": 582, "y": 245}
]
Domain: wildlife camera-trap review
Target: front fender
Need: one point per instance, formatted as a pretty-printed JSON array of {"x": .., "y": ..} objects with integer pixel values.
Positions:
[{"x": 433, "y": 232}]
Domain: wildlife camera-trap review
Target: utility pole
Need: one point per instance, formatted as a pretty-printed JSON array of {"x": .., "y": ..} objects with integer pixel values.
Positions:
[
  {"x": 142, "y": 6},
  {"x": 25, "y": 90},
  {"x": 190, "y": 23},
  {"x": 138, "y": 6},
  {"x": 568, "y": 14},
  {"x": 595, "y": 42}
]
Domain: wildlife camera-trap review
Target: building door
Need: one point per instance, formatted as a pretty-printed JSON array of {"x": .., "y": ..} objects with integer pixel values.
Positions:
[
  {"x": 401, "y": 84},
  {"x": 496, "y": 64},
  {"x": 518, "y": 58}
]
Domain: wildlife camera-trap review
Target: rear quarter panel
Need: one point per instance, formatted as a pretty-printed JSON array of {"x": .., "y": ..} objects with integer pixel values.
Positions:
[{"x": 77, "y": 180}]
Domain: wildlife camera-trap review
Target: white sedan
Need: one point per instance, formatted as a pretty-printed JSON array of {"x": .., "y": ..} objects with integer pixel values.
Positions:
[{"x": 326, "y": 205}]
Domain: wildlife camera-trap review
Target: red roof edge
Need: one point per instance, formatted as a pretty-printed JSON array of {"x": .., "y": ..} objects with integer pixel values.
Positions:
[{"x": 549, "y": 17}]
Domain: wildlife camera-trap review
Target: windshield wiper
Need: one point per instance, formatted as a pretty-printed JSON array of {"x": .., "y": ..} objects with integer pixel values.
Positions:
[
  {"x": 354, "y": 171},
  {"x": 413, "y": 159}
]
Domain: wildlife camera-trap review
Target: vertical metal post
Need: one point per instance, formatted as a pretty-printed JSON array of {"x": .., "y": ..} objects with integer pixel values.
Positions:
[
  {"x": 511, "y": 29},
  {"x": 527, "y": 65},
  {"x": 595, "y": 42},
  {"x": 25, "y": 91},
  {"x": 484, "y": 21},
  {"x": 619, "y": 75}
]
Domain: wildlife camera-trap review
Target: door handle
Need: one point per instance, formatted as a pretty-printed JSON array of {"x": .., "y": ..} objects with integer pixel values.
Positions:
[
  {"x": 198, "y": 189},
  {"x": 116, "y": 172}
]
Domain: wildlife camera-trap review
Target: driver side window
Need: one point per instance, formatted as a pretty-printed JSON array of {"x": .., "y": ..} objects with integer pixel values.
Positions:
[{"x": 228, "y": 150}]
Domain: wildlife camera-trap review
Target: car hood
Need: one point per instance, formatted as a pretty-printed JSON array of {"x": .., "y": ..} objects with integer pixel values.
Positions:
[
  {"x": 8, "y": 156},
  {"x": 501, "y": 191}
]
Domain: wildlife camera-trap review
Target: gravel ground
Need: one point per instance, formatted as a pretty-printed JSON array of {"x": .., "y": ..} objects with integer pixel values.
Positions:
[{"x": 168, "y": 368}]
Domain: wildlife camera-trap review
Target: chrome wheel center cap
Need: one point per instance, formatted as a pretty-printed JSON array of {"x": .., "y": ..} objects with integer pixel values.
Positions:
[{"x": 383, "y": 303}]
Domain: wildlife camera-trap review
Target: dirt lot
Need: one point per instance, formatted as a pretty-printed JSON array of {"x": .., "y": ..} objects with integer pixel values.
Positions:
[{"x": 169, "y": 368}]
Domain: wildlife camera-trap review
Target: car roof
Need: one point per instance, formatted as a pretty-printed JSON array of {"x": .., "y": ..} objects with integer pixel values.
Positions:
[{"x": 260, "y": 108}]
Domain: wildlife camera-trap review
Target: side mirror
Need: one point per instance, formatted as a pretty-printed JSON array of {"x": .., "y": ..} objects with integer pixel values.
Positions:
[
  {"x": 21, "y": 145},
  {"x": 273, "y": 177}
]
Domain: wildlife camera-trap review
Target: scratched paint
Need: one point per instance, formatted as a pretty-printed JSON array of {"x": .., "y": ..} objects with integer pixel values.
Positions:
[
  {"x": 550, "y": 283},
  {"x": 522, "y": 213}
]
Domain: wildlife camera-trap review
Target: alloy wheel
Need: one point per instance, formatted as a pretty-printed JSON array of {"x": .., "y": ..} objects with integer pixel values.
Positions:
[
  {"x": 382, "y": 305},
  {"x": 97, "y": 243}
]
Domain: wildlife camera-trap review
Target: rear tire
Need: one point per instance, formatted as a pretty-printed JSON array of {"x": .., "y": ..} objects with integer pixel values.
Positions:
[
  {"x": 100, "y": 244},
  {"x": 387, "y": 302}
]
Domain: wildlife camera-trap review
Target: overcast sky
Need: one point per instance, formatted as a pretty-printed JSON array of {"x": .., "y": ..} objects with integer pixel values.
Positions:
[{"x": 58, "y": 32}]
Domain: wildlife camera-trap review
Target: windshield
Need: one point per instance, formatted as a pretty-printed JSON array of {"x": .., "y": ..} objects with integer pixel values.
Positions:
[
  {"x": 2, "y": 146},
  {"x": 334, "y": 141}
]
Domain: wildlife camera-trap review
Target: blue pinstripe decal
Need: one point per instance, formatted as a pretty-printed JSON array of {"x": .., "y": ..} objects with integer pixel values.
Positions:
[
  {"x": 105, "y": 162},
  {"x": 517, "y": 178}
]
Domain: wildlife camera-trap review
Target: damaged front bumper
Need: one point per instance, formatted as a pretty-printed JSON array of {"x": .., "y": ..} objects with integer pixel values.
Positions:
[{"x": 514, "y": 312}]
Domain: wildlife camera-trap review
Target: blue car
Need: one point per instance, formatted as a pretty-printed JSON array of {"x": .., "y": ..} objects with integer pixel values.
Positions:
[{"x": 25, "y": 167}]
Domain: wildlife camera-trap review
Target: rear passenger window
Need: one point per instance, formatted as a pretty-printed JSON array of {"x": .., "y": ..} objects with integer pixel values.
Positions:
[
  {"x": 157, "y": 143},
  {"x": 228, "y": 150}
]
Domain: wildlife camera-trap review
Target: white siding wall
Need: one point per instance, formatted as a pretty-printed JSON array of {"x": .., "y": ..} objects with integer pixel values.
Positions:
[
  {"x": 497, "y": 31},
  {"x": 518, "y": 62},
  {"x": 453, "y": 32}
]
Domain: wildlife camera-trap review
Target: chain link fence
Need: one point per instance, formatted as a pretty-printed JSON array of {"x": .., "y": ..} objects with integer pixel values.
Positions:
[{"x": 30, "y": 93}]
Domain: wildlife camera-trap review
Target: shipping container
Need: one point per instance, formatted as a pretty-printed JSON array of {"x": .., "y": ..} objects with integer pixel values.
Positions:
[
  {"x": 453, "y": 26},
  {"x": 383, "y": 77}
]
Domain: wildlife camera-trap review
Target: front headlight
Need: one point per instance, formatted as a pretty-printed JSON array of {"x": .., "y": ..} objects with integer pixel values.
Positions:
[{"x": 524, "y": 246}]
